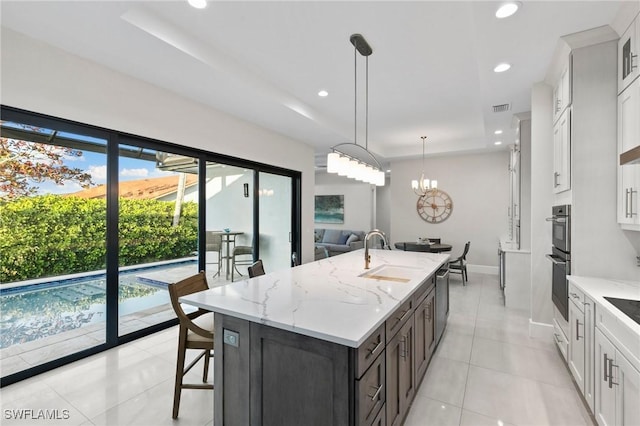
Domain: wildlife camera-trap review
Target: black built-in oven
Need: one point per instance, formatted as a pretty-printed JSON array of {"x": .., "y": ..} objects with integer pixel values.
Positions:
[
  {"x": 561, "y": 227},
  {"x": 560, "y": 257}
]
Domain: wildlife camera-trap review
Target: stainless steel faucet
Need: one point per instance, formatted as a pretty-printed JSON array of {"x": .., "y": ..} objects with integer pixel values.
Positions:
[{"x": 367, "y": 257}]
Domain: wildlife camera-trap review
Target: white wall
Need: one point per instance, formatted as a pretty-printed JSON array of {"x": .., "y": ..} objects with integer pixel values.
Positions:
[
  {"x": 38, "y": 77},
  {"x": 358, "y": 201},
  {"x": 479, "y": 187}
]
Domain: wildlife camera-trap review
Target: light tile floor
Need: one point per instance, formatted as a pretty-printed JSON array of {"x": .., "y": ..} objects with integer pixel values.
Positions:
[{"x": 486, "y": 371}]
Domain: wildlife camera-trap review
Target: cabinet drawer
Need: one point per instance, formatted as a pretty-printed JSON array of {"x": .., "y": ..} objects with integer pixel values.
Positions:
[
  {"x": 369, "y": 350},
  {"x": 371, "y": 392},
  {"x": 621, "y": 336},
  {"x": 424, "y": 289},
  {"x": 576, "y": 296},
  {"x": 561, "y": 340},
  {"x": 398, "y": 318}
]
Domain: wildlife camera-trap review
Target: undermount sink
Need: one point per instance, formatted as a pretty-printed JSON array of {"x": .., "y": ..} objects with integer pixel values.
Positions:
[{"x": 396, "y": 273}]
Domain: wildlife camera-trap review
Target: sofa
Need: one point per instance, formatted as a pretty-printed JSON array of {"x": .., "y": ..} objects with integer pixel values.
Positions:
[{"x": 338, "y": 241}]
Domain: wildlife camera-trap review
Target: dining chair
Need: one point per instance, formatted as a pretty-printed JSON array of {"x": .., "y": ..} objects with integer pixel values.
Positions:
[
  {"x": 196, "y": 332},
  {"x": 459, "y": 264},
  {"x": 239, "y": 257},
  {"x": 213, "y": 244},
  {"x": 256, "y": 269}
]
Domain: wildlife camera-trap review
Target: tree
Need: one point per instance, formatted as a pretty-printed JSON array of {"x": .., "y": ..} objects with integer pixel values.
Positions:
[{"x": 24, "y": 164}]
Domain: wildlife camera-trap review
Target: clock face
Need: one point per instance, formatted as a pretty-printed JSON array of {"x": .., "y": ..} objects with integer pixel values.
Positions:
[{"x": 435, "y": 207}]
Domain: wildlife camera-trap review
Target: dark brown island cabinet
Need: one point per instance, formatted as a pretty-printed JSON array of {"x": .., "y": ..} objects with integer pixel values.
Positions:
[{"x": 273, "y": 377}]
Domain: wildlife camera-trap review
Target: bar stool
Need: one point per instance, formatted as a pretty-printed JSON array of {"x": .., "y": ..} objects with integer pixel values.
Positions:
[{"x": 243, "y": 252}]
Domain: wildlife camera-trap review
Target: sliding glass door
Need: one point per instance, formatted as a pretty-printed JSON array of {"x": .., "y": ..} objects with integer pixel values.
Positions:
[
  {"x": 157, "y": 232},
  {"x": 95, "y": 223},
  {"x": 229, "y": 238},
  {"x": 275, "y": 215},
  {"x": 53, "y": 243}
]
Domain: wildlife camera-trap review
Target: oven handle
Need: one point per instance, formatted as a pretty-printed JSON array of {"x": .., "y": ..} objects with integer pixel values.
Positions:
[
  {"x": 558, "y": 219},
  {"x": 555, "y": 260}
]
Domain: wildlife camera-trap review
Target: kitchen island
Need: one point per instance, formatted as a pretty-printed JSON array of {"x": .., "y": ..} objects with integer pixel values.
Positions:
[{"x": 327, "y": 342}]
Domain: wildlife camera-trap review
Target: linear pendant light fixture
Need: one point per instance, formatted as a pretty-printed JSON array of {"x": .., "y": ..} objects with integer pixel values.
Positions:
[
  {"x": 352, "y": 165},
  {"x": 423, "y": 186}
]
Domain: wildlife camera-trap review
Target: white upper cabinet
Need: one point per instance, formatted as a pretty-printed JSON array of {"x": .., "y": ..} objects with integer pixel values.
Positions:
[
  {"x": 562, "y": 152},
  {"x": 629, "y": 175},
  {"x": 562, "y": 90},
  {"x": 628, "y": 59}
]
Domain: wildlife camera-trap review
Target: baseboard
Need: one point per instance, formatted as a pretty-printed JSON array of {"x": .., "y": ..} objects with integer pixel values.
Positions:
[
  {"x": 482, "y": 269},
  {"x": 540, "y": 329}
]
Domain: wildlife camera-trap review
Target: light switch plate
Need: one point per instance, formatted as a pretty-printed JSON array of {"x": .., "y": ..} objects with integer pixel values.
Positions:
[{"x": 230, "y": 337}]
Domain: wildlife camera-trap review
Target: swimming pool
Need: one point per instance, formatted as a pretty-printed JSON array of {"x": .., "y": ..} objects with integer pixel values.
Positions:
[{"x": 44, "y": 309}]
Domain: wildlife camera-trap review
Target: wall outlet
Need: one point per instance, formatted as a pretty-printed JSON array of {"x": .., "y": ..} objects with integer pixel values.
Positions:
[{"x": 231, "y": 337}]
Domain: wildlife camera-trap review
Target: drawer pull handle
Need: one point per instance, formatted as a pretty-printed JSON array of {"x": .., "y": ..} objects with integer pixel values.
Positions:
[
  {"x": 374, "y": 350},
  {"x": 574, "y": 295},
  {"x": 611, "y": 365},
  {"x": 604, "y": 370},
  {"x": 558, "y": 339},
  {"x": 404, "y": 314},
  {"x": 375, "y": 395},
  {"x": 578, "y": 336},
  {"x": 403, "y": 348}
]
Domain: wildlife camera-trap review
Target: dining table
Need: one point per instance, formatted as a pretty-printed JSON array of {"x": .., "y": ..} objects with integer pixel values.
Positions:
[
  {"x": 424, "y": 247},
  {"x": 228, "y": 238}
]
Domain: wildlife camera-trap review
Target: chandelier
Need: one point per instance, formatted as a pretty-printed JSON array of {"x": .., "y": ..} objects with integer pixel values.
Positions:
[
  {"x": 345, "y": 158},
  {"x": 423, "y": 186}
]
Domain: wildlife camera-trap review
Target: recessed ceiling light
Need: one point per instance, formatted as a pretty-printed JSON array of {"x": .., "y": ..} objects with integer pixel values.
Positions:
[
  {"x": 507, "y": 9},
  {"x": 497, "y": 143},
  {"x": 498, "y": 132},
  {"x": 323, "y": 93},
  {"x": 502, "y": 67},
  {"x": 198, "y": 4}
]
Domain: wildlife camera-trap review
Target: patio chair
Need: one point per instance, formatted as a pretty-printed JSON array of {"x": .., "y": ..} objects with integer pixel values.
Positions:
[
  {"x": 196, "y": 332},
  {"x": 214, "y": 244},
  {"x": 239, "y": 257}
]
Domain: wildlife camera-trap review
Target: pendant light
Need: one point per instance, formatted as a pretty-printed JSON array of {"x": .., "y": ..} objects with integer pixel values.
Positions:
[
  {"x": 423, "y": 186},
  {"x": 351, "y": 164}
]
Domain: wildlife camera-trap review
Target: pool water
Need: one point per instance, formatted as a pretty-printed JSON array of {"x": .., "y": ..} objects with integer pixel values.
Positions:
[{"x": 42, "y": 310}]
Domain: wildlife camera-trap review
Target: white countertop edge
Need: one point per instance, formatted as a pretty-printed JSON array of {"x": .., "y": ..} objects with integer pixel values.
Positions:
[
  {"x": 598, "y": 288},
  {"x": 287, "y": 327}
]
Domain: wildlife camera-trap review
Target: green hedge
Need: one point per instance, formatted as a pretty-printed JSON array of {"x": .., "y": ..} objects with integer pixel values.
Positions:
[{"x": 52, "y": 235}]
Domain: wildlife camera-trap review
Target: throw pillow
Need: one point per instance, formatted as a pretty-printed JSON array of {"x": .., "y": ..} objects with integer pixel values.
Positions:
[
  {"x": 352, "y": 238},
  {"x": 331, "y": 236},
  {"x": 343, "y": 238}
]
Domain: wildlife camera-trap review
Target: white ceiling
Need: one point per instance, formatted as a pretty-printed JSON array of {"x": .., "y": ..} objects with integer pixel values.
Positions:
[{"x": 431, "y": 71}]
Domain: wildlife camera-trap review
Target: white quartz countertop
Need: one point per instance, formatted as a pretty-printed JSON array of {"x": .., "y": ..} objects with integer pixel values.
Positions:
[
  {"x": 599, "y": 288},
  {"x": 326, "y": 299}
]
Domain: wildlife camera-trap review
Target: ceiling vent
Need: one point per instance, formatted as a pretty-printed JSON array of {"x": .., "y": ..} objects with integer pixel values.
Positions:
[{"x": 501, "y": 108}]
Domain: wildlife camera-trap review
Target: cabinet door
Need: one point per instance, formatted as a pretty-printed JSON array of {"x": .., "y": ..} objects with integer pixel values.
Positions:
[
  {"x": 407, "y": 382},
  {"x": 425, "y": 335},
  {"x": 628, "y": 59},
  {"x": 393, "y": 366},
  {"x": 589, "y": 329},
  {"x": 576, "y": 344},
  {"x": 605, "y": 396},
  {"x": 562, "y": 153},
  {"x": 627, "y": 392},
  {"x": 628, "y": 138}
]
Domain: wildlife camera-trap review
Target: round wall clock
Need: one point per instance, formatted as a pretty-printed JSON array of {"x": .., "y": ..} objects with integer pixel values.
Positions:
[{"x": 435, "y": 207}]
